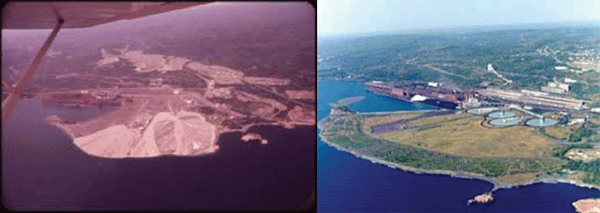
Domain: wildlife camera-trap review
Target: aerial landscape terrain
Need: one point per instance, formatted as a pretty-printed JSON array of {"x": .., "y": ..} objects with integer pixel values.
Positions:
[
  {"x": 510, "y": 106},
  {"x": 183, "y": 106},
  {"x": 174, "y": 94}
]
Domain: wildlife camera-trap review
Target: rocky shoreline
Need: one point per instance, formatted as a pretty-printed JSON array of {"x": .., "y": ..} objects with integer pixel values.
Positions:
[
  {"x": 497, "y": 184},
  {"x": 587, "y": 205}
]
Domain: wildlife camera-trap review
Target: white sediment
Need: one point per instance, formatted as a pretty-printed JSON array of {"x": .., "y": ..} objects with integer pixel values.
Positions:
[{"x": 120, "y": 141}]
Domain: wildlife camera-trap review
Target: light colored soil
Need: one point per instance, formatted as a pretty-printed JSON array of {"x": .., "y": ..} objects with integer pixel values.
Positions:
[
  {"x": 113, "y": 142},
  {"x": 185, "y": 133},
  {"x": 587, "y": 205}
]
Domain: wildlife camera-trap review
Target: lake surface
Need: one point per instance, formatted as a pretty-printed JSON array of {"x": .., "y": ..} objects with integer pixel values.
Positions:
[
  {"x": 346, "y": 183},
  {"x": 43, "y": 170}
]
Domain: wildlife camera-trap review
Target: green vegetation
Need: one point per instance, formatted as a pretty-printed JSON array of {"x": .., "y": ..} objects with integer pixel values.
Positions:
[
  {"x": 467, "y": 137},
  {"x": 556, "y": 132},
  {"x": 593, "y": 125},
  {"x": 580, "y": 133},
  {"x": 457, "y": 142},
  {"x": 584, "y": 91},
  {"x": 559, "y": 152},
  {"x": 595, "y": 104},
  {"x": 590, "y": 169},
  {"x": 351, "y": 100},
  {"x": 420, "y": 158},
  {"x": 526, "y": 57},
  {"x": 348, "y": 131}
]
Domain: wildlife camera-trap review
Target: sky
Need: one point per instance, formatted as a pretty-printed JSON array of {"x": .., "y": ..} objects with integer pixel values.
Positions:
[{"x": 346, "y": 17}]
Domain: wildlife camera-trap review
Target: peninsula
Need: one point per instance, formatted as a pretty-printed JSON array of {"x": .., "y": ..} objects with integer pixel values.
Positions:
[
  {"x": 459, "y": 143},
  {"x": 587, "y": 205},
  {"x": 162, "y": 118}
]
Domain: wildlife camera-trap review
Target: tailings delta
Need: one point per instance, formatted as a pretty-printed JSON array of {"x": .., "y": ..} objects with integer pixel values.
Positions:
[{"x": 43, "y": 170}]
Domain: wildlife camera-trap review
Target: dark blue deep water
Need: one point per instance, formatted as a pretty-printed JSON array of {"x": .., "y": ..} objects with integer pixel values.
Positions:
[
  {"x": 43, "y": 170},
  {"x": 346, "y": 183}
]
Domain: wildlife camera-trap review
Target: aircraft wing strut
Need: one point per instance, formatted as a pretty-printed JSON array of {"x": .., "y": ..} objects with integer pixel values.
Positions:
[{"x": 9, "y": 104}]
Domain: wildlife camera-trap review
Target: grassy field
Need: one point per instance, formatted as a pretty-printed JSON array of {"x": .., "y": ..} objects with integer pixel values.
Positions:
[
  {"x": 346, "y": 132},
  {"x": 390, "y": 118},
  {"x": 560, "y": 132},
  {"x": 458, "y": 142},
  {"x": 462, "y": 135}
]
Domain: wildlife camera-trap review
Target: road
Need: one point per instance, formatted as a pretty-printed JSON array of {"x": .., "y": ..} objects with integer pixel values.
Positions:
[{"x": 444, "y": 71}]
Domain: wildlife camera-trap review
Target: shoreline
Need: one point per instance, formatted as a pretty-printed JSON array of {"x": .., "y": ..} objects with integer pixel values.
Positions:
[
  {"x": 55, "y": 120},
  {"x": 497, "y": 184},
  {"x": 244, "y": 129}
]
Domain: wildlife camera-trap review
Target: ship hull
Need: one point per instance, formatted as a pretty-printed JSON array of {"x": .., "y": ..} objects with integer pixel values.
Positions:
[
  {"x": 443, "y": 104},
  {"x": 440, "y": 103}
]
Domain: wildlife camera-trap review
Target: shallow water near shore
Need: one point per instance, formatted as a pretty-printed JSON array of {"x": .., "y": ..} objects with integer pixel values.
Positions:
[
  {"x": 43, "y": 170},
  {"x": 348, "y": 183}
]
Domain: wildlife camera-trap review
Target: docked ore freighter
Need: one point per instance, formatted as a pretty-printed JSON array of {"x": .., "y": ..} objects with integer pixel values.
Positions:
[
  {"x": 80, "y": 100},
  {"x": 430, "y": 93}
]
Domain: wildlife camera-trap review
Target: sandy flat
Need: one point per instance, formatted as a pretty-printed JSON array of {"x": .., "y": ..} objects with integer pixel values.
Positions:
[
  {"x": 185, "y": 133},
  {"x": 113, "y": 142}
]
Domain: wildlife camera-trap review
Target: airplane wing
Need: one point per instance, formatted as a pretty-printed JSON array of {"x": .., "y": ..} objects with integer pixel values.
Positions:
[{"x": 44, "y": 15}]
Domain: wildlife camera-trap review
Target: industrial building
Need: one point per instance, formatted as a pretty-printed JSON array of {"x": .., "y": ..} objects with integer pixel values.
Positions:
[
  {"x": 556, "y": 87},
  {"x": 430, "y": 93},
  {"x": 528, "y": 97},
  {"x": 450, "y": 98}
]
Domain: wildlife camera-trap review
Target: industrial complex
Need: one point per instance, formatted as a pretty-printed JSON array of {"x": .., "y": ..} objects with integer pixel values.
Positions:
[
  {"x": 430, "y": 93},
  {"x": 496, "y": 104},
  {"x": 436, "y": 94}
]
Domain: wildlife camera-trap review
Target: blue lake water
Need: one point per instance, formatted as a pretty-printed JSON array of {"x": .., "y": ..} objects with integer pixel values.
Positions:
[
  {"x": 346, "y": 183},
  {"x": 43, "y": 170}
]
